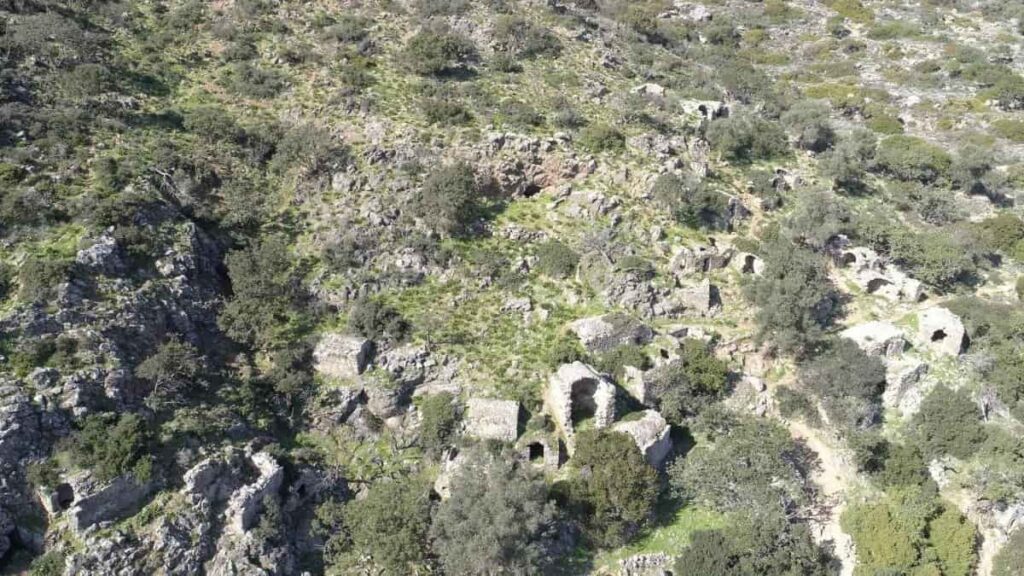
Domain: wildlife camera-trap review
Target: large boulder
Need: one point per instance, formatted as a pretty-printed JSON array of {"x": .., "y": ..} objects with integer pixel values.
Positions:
[
  {"x": 904, "y": 386},
  {"x": 488, "y": 419},
  {"x": 941, "y": 331},
  {"x": 117, "y": 499},
  {"x": 604, "y": 333},
  {"x": 877, "y": 338},
  {"x": 342, "y": 356},
  {"x": 650, "y": 431}
]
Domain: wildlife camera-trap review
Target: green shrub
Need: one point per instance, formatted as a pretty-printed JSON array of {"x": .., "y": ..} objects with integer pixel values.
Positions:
[
  {"x": 449, "y": 201},
  {"x": 372, "y": 319},
  {"x": 251, "y": 81},
  {"x": 615, "y": 361},
  {"x": 1001, "y": 232},
  {"x": 8, "y": 276},
  {"x": 1009, "y": 129},
  {"x": 437, "y": 50},
  {"x": 445, "y": 112},
  {"x": 494, "y": 500},
  {"x": 556, "y": 260},
  {"x": 389, "y": 526},
  {"x": 38, "y": 279},
  {"x": 949, "y": 423},
  {"x": 348, "y": 28},
  {"x": 49, "y": 564},
  {"x": 565, "y": 350},
  {"x": 744, "y": 137},
  {"x": 1019, "y": 287},
  {"x": 794, "y": 296},
  {"x": 432, "y": 8},
  {"x": 847, "y": 163},
  {"x": 521, "y": 37},
  {"x": 851, "y": 9},
  {"x": 810, "y": 121},
  {"x": 112, "y": 446},
  {"x": 175, "y": 370},
  {"x": 683, "y": 388},
  {"x": 439, "y": 420},
  {"x": 910, "y": 158},
  {"x": 793, "y": 403},
  {"x": 601, "y": 138},
  {"x": 309, "y": 148},
  {"x": 519, "y": 114},
  {"x": 618, "y": 495},
  {"x": 848, "y": 382}
]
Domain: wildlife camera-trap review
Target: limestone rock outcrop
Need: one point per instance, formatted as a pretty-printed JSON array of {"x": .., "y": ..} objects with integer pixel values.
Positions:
[
  {"x": 650, "y": 431},
  {"x": 488, "y": 419},
  {"x": 877, "y": 338},
  {"x": 941, "y": 331},
  {"x": 342, "y": 356}
]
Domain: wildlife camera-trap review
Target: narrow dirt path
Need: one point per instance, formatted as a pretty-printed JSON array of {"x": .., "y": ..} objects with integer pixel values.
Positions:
[{"x": 835, "y": 477}]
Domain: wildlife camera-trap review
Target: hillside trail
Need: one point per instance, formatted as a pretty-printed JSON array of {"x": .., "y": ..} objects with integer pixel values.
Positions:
[{"x": 835, "y": 476}]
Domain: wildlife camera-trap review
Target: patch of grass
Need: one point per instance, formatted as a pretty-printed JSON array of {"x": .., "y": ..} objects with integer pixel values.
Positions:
[{"x": 669, "y": 538}]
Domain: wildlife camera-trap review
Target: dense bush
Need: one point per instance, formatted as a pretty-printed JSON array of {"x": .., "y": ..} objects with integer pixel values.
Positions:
[
  {"x": 390, "y": 525},
  {"x": 267, "y": 305},
  {"x": 439, "y": 420},
  {"x": 176, "y": 372},
  {"x": 436, "y": 50},
  {"x": 449, "y": 201},
  {"x": 848, "y": 382},
  {"x": 818, "y": 218},
  {"x": 949, "y": 422},
  {"x": 772, "y": 479},
  {"x": 601, "y": 138},
  {"x": 809, "y": 120},
  {"x": 372, "y": 319},
  {"x": 744, "y": 137},
  {"x": 911, "y": 532},
  {"x": 308, "y": 147},
  {"x": 692, "y": 202},
  {"x": 685, "y": 387},
  {"x": 616, "y": 490},
  {"x": 615, "y": 360},
  {"x": 521, "y": 37},
  {"x": 795, "y": 297},
  {"x": 910, "y": 158},
  {"x": 112, "y": 446},
  {"x": 556, "y": 260},
  {"x": 766, "y": 545},
  {"x": 38, "y": 279},
  {"x": 251, "y": 81},
  {"x": 847, "y": 163},
  {"x": 498, "y": 519}
]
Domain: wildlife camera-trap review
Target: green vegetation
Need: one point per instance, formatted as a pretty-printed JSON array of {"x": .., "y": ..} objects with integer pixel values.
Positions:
[
  {"x": 449, "y": 201},
  {"x": 439, "y": 420},
  {"x": 498, "y": 518},
  {"x": 910, "y": 158},
  {"x": 112, "y": 446},
  {"x": 556, "y": 260},
  {"x": 390, "y": 525},
  {"x": 744, "y": 138},
  {"x": 848, "y": 383},
  {"x": 949, "y": 423}
]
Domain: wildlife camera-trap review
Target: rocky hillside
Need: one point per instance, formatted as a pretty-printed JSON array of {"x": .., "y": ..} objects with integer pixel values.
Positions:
[{"x": 615, "y": 287}]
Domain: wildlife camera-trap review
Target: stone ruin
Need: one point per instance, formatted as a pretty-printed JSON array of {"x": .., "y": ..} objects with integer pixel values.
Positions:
[
  {"x": 875, "y": 274},
  {"x": 87, "y": 503},
  {"x": 578, "y": 394},
  {"x": 604, "y": 333},
  {"x": 342, "y": 356},
  {"x": 941, "y": 331},
  {"x": 877, "y": 339},
  {"x": 650, "y": 431},
  {"x": 487, "y": 419},
  {"x": 542, "y": 449}
]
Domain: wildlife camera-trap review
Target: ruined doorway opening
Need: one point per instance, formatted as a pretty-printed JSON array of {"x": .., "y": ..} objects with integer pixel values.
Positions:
[
  {"x": 876, "y": 284},
  {"x": 65, "y": 496},
  {"x": 536, "y": 452},
  {"x": 531, "y": 190},
  {"x": 849, "y": 259},
  {"x": 748, "y": 264},
  {"x": 938, "y": 336},
  {"x": 584, "y": 406}
]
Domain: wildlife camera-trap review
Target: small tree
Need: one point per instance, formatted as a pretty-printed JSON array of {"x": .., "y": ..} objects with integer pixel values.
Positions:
[
  {"x": 848, "y": 162},
  {"x": 685, "y": 387},
  {"x": 616, "y": 486},
  {"x": 810, "y": 121},
  {"x": 371, "y": 318},
  {"x": 794, "y": 296},
  {"x": 498, "y": 519},
  {"x": 112, "y": 446},
  {"x": 436, "y": 50},
  {"x": 949, "y": 423},
  {"x": 848, "y": 382},
  {"x": 174, "y": 370},
  {"x": 449, "y": 200},
  {"x": 390, "y": 525},
  {"x": 439, "y": 419},
  {"x": 910, "y": 158},
  {"x": 744, "y": 137},
  {"x": 557, "y": 260}
]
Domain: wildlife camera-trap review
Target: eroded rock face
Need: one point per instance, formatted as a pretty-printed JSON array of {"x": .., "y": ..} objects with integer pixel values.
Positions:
[
  {"x": 651, "y": 433},
  {"x": 904, "y": 386},
  {"x": 657, "y": 564},
  {"x": 941, "y": 331},
  {"x": 488, "y": 419},
  {"x": 118, "y": 499},
  {"x": 876, "y": 275},
  {"x": 877, "y": 339},
  {"x": 342, "y": 356},
  {"x": 577, "y": 393},
  {"x": 604, "y": 333}
]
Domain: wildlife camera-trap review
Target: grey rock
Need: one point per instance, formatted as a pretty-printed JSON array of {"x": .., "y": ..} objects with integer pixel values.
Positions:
[
  {"x": 487, "y": 419},
  {"x": 650, "y": 431},
  {"x": 877, "y": 339},
  {"x": 604, "y": 333},
  {"x": 342, "y": 356},
  {"x": 115, "y": 500},
  {"x": 941, "y": 330}
]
